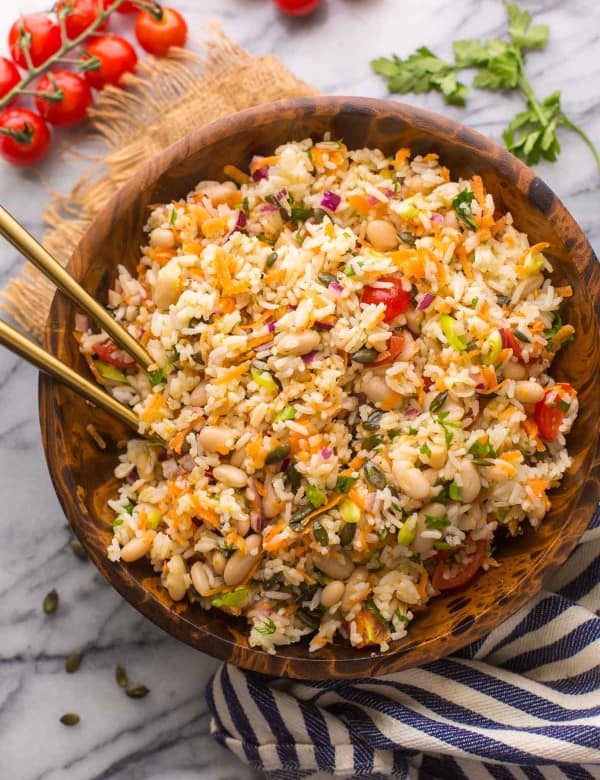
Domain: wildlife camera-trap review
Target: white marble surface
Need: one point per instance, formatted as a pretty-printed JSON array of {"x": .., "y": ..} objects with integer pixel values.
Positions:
[{"x": 166, "y": 735}]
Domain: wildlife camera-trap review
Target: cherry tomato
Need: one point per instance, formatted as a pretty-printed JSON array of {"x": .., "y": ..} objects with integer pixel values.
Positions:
[
  {"x": 463, "y": 575},
  {"x": 128, "y": 8},
  {"x": 117, "y": 57},
  {"x": 552, "y": 409},
  {"x": 109, "y": 353},
  {"x": 43, "y": 34},
  {"x": 297, "y": 7},
  {"x": 24, "y": 136},
  {"x": 80, "y": 14},
  {"x": 394, "y": 348},
  {"x": 512, "y": 342},
  {"x": 158, "y": 35},
  {"x": 63, "y": 97},
  {"x": 9, "y": 77},
  {"x": 395, "y": 298}
]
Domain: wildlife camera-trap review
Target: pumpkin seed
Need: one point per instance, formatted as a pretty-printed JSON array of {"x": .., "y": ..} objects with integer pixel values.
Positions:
[
  {"x": 73, "y": 662},
  {"x": 320, "y": 534},
  {"x": 137, "y": 692},
  {"x": 438, "y": 401},
  {"x": 278, "y": 454},
  {"x": 70, "y": 719},
  {"x": 309, "y": 620},
  {"x": 271, "y": 259},
  {"x": 374, "y": 475},
  {"x": 365, "y": 355},
  {"x": 407, "y": 238},
  {"x": 300, "y": 514},
  {"x": 347, "y": 534},
  {"x": 326, "y": 279},
  {"x": 121, "y": 677},
  {"x": 50, "y": 604},
  {"x": 373, "y": 421},
  {"x": 371, "y": 442}
]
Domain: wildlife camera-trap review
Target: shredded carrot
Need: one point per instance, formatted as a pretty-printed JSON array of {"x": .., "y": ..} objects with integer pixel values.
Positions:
[
  {"x": 227, "y": 304},
  {"x": 258, "y": 340},
  {"x": 233, "y": 373},
  {"x": 401, "y": 155},
  {"x": 464, "y": 261},
  {"x": 176, "y": 442},
  {"x": 356, "y": 498},
  {"x": 359, "y": 203},
  {"x": 538, "y": 486},
  {"x": 478, "y": 190},
  {"x": 206, "y": 514},
  {"x": 161, "y": 256},
  {"x": 214, "y": 226},
  {"x": 422, "y": 585},
  {"x": 155, "y": 409},
  {"x": 531, "y": 429},
  {"x": 263, "y": 162},
  {"x": 270, "y": 541},
  {"x": 338, "y": 156},
  {"x": 512, "y": 456},
  {"x": 499, "y": 226},
  {"x": 354, "y": 464},
  {"x": 565, "y": 292},
  {"x": 234, "y": 173}
]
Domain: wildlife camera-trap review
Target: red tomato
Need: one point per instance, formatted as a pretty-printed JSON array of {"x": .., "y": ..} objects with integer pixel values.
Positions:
[
  {"x": 107, "y": 352},
  {"x": 128, "y": 8},
  {"x": 511, "y": 342},
  {"x": 297, "y": 7},
  {"x": 63, "y": 98},
  {"x": 549, "y": 412},
  {"x": 158, "y": 35},
  {"x": 464, "y": 575},
  {"x": 80, "y": 14},
  {"x": 117, "y": 57},
  {"x": 24, "y": 136},
  {"x": 394, "y": 348},
  {"x": 9, "y": 77},
  {"x": 395, "y": 298},
  {"x": 43, "y": 34}
]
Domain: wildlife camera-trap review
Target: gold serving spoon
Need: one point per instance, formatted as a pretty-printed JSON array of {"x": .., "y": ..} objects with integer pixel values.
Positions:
[{"x": 14, "y": 340}]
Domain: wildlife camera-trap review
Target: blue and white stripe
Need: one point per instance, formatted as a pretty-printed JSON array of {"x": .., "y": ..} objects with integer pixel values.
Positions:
[{"x": 521, "y": 704}]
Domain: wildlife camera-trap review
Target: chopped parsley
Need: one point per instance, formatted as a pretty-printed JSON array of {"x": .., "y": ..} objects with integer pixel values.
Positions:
[{"x": 462, "y": 206}]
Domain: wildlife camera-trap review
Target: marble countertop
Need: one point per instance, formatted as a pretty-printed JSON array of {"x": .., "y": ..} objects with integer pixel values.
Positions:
[{"x": 166, "y": 735}]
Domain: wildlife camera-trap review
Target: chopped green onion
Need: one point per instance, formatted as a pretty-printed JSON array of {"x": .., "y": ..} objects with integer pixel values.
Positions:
[
  {"x": 349, "y": 511},
  {"x": 231, "y": 599},
  {"x": 315, "y": 496},
  {"x": 285, "y": 414},
  {"x": 474, "y": 303},
  {"x": 563, "y": 405},
  {"x": 439, "y": 545},
  {"x": 436, "y": 523},
  {"x": 448, "y": 324},
  {"x": 107, "y": 371},
  {"x": 153, "y": 519},
  {"x": 278, "y": 454},
  {"x": 264, "y": 379},
  {"x": 349, "y": 271},
  {"x": 343, "y": 484},
  {"x": 494, "y": 347},
  {"x": 425, "y": 450},
  {"x": 156, "y": 377},
  {"x": 407, "y": 532},
  {"x": 438, "y": 402},
  {"x": 454, "y": 491}
]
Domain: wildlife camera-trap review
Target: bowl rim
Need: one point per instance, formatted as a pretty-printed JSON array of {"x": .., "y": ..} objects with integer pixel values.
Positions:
[{"x": 364, "y": 663}]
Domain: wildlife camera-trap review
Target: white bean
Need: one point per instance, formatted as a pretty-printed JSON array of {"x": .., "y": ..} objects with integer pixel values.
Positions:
[
  {"x": 176, "y": 578},
  {"x": 376, "y": 389},
  {"x": 167, "y": 287},
  {"x": 217, "y": 191},
  {"x": 359, "y": 575},
  {"x": 230, "y": 475},
  {"x": 162, "y": 238},
  {"x": 382, "y": 235},
  {"x": 271, "y": 505},
  {"x": 528, "y": 392},
  {"x": 145, "y": 463},
  {"x": 241, "y": 563},
  {"x": 470, "y": 482},
  {"x": 438, "y": 455},
  {"x": 512, "y": 370},
  {"x": 332, "y": 593},
  {"x": 216, "y": 438},
  {"x": 238, "y": 457},
  {"x": 243, "y": 525},
  {"x": 298, "y": 343},
  {"x": 137, "y": 547},
  {"x": 335, "y": 565},
  {"x": 198, "y": 395},
  {"x": 218, "y": 561},
  {"x": 411, "y": 481},
  {"x": 200, "y": 578}
]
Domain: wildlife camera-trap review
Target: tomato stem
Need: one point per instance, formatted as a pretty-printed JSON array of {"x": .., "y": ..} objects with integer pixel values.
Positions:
[
  {"x": 24, "y": 136},
  {"x": 68, "y": 44}
]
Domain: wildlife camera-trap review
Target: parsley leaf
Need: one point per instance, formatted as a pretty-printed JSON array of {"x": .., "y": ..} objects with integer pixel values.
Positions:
[
  {"x": 521, "y": 32},
  {"x": 423, "y": 71},
  {"x": 462, "y": 205}
]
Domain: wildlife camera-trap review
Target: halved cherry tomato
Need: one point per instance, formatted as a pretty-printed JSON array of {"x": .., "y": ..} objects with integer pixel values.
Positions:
[
  {"x": 80, "y": 14},
  {"x": 552, "y": 409},
  {"x": 24, "y": 136},
  {"x": 43, "y": 35},
  {"x": 157, "y": 35},
  {"x": 117, "y": 57},
  {"x": 511, "y": 342},
  {"x": 395, "y": 298},
  {"x": 297, "y": 7},
  {"x": 394, "y": 348},
  {"x": 63, "y": 97},
  {"x": 463, "y": 575},
  {"x": 9, "y": 77},
  {"x": 107, "y": 352}
]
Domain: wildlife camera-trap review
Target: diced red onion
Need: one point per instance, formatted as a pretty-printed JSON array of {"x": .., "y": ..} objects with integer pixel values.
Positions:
[
  {"x": 310, "y": 356},
  {"x": 187, "y": 463},
  {"x": 428, "y": 299},
  {"x": 241, "y": 221},
  {"x": 480, "y": 386},
  {"x": 323, "y": 325},
  {"x": 285, "y": 463},
  {"x": 267, "y": 207},
  {"x": 330, "y": 200},
  {"x": 256, "y": 522},
  {"x": 372, "y": 200},
  {"x": 505, "y": 341},
  {"x": 336, "y": 286},
  {"x": 326, "y": 453},
  {"x": 133, "y": 476},
  {"x": 437, "y": 219},
  {"x": 281, "y": 195},
  {"x": 259, "y": 173},
  {"x": 169, "y": 468},
  {"x": 82, "y": 323},
  {"x": 412, "y": 412},
  {"x": 208, "y": 473},
  {"x": 271, "y": 326}
]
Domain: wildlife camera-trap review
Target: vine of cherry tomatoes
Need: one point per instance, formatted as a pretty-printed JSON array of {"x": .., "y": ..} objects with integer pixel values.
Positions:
[{"x": 39, "y": 45}]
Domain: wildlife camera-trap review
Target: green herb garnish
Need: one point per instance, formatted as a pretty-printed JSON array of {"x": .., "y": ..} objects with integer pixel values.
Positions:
[
  {"x": 315, "y": 496},
  {"x": 267, "y": 627},
  {"x": 462, "y": 205}
]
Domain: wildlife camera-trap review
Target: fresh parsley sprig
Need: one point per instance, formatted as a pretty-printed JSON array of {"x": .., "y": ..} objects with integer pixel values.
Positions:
[{"x": 500, "y": 64}]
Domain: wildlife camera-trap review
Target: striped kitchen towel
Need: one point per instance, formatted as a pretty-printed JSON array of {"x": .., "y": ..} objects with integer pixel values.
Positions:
[{"x": 524, "y": 702}]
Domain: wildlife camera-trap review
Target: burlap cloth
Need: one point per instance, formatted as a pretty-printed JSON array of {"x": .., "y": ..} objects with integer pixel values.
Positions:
[{"x": 164, "y": 100}]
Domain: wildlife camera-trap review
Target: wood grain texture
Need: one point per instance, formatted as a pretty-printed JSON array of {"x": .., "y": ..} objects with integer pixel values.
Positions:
[{"x": 82, "y": 474}]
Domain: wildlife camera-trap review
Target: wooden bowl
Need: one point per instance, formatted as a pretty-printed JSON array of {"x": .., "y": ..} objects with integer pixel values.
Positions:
[{"x": 83, "y": 474}]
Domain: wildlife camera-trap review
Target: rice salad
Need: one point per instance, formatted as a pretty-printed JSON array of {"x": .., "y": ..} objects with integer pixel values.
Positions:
[{"x": 350, "y": 400}]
